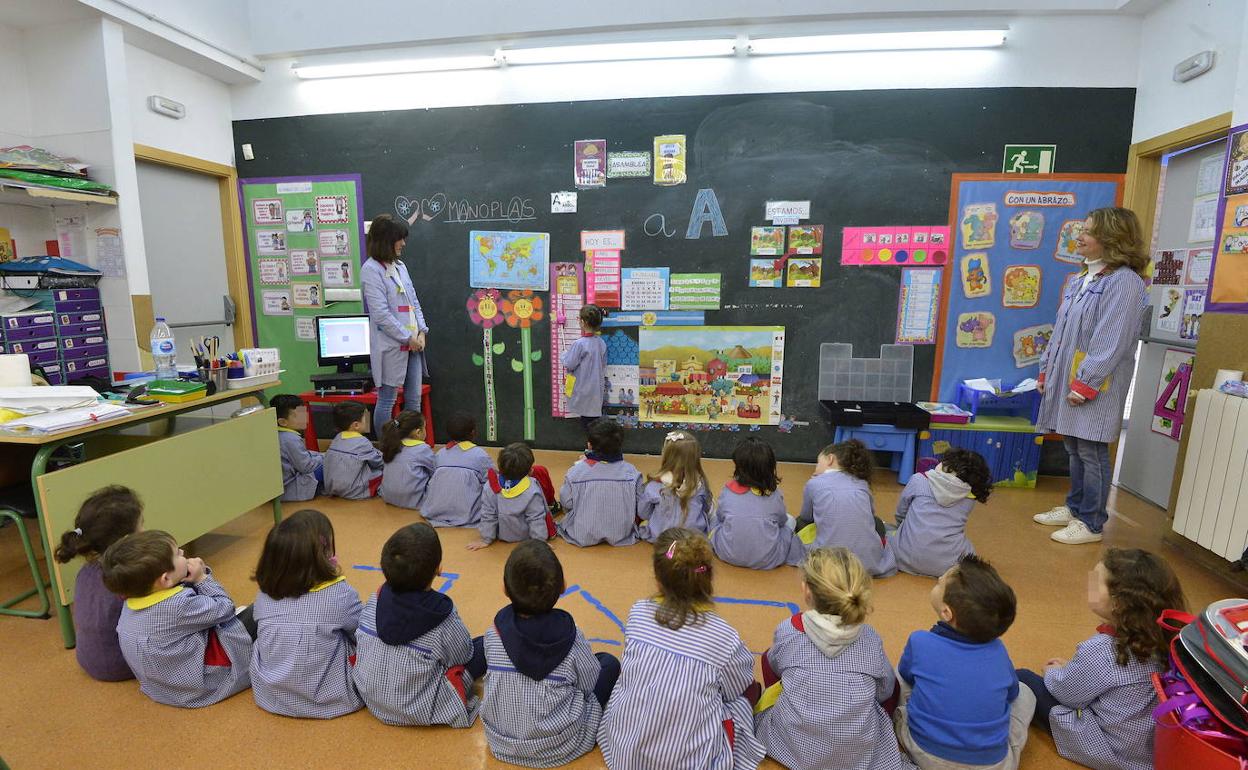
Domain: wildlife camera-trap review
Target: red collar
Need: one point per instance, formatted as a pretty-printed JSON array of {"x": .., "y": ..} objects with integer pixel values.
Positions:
[
  {"x": 798, "y": 623},
  {"x": 737, "y": 487},
  {"x": 590, "y": 461},
  {"x": 589, "y": 334},
  {"x": 1107, "y": 629}
]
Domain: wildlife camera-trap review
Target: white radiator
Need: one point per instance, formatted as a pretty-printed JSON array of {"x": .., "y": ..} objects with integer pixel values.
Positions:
[{"x": 1213, "y": 495}]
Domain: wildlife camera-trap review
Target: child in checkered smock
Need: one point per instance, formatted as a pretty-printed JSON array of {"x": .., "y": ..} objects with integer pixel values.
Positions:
[
  {"x": 837, "y": 507},
  {"x": 453, "y": 497},
  {"x": 353, "y": 466},
  {"x": 932, "y": 513},
  {"x": 752, "y": 527},
  {"x": 600, "y": 492},
  {"x": 409, "y": 461},
  {"x": 681, "y": 703},
  {"x": 545, "y": 689},
  {"x": 679, "y": 494},
  {"x": 829, "y": 649},
  {"x": 178, "y": 632},
  {"x": 306, "y": 614},
  {"x": 413, "y": 648},
  {"x": 1099, "y": 705},
  {"x": 513, "y": 506}
]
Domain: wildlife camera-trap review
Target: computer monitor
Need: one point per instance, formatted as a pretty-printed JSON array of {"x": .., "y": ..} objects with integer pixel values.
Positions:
[{"x": 342, "y": 340}]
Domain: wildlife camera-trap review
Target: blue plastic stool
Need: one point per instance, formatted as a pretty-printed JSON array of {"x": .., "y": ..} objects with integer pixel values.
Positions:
[{"x": 885, "y": 438}]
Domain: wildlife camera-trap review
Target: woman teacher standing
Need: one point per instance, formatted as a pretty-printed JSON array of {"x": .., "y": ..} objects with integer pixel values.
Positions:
[
  {"x": 1087, "y": 368},
  {"x": 398, "y": 334}
]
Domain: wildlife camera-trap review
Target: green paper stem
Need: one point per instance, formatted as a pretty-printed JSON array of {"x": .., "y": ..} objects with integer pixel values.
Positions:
[
  {"x": 526, "y": 345},
  {"x": 491, "y": 406}
]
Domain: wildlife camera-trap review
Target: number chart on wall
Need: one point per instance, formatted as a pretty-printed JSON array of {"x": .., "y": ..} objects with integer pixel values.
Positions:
[{"x": 304, "y": 237}]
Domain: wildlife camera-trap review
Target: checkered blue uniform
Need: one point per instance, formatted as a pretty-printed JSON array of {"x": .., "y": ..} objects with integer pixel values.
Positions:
[
  {"x": 453, "y": 498},
  {"x": 843, "y": 511},
  {"x": 300, "y": 663},
  {"x": 512, "y": 519},
  {"x": 350, "y": 464},
  {"x": 164, "y": 646},
  {"x": 752, "y": 531},
  {"x": 406, "y": 684},
  {"x": 930, "y": 537},
  {"x": 806, "y": 729},
  {"x": 406, "y": 477},
  {"x": 659, "y": 509},
  {"x": 1105, "y": 720},
  {"x": 299, "y": 467},
  {"x": 675, "y": 691},
  {"x": 540, "y": 724},
  {"x": 600, "y": 503},
  {"x": 586, "y": 360}
]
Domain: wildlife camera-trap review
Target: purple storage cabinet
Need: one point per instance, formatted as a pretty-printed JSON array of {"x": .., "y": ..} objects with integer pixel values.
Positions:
[
  {"x": 73, "y": 366},
  {"x": 30, "y": 333},
  {"x": 82, "y": 354},
  {"x": 78, "y": 330},
  {"x": 79, "y": 306},
  {"x": 80, "y": 317},
  {"x": 74, "y": 295},
  {"x": 17, "y": 321},
  {"x": 96, "y": 371},
  {"x": 43, "y": 357},
  {"x": 33, "y": 346},
  {"x": 69, "y": 344}
]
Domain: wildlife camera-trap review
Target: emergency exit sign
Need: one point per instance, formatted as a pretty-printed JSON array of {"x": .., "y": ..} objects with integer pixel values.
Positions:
[{"x": 1028, "y": 158}]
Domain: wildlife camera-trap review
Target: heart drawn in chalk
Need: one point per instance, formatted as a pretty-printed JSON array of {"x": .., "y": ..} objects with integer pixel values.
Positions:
[
  {"x": 433, "y": 207},
  {"x": 403, "y": 206}
]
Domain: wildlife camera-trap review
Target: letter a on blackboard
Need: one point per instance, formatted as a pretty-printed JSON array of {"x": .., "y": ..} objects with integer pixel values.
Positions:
[{"x": 706, "y": 209}]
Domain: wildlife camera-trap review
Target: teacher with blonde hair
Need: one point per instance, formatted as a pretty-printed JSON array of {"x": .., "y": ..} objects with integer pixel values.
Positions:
[{"x": 1086, "y": 370}]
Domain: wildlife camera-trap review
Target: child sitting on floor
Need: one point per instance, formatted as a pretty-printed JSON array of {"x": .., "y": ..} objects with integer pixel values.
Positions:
[
  {"x": 679, "y": 494},
  {"x": 517, "y": 509},
  {"x": 302, "y": 469},
  {"x": 932, "y": 513},
  {"x": 600, "y": 492},
  {"x": 453, "y": 498},
  {"x": 178, "y": 631},
  {"x": 837, "y": 507},
  {"x": 752, "y": 527},
  {"x": 353, "y": 465},
  {"x": 410, "y": 664},
  {"x": 409, "y": 461}
]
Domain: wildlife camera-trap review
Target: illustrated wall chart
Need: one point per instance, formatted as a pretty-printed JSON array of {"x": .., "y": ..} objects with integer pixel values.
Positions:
[{"x": 1228, "y": 283}]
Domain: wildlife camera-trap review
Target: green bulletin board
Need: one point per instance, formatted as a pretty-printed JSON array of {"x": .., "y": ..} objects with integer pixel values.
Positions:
[{"x": 304, "y": 237}]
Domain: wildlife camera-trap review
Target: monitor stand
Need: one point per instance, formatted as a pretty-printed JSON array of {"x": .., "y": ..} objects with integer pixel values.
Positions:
[{"x": 343, "y": 381}]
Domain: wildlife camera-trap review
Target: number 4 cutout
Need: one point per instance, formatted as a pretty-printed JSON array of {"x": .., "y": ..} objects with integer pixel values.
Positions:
[{"x": 1180, "y": 381}]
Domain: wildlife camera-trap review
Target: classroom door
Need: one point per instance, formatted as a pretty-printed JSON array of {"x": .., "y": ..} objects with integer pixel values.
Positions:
[{"x": 186, "y": 263}]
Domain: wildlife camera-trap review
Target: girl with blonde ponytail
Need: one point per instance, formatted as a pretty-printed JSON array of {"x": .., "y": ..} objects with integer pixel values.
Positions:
[{"x": 829, "y": 648}]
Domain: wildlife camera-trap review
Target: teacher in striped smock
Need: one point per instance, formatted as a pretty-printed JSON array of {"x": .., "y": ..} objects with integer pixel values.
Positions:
[
  {"x": 397, "y": 341},
  {"x": 1087, "y": 368}
]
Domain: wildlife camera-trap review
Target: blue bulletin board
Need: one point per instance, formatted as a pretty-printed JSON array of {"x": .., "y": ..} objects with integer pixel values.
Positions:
[{"x": 1013, "y": 252}]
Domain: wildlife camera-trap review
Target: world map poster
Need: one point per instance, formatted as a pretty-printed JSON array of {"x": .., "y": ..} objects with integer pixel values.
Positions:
[{"x": 508, "y": 260}]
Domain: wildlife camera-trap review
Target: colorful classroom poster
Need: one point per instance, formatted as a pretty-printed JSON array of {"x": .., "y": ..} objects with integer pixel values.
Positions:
[
  {"x": 1067, "y": 240},
  {"x": 978, "y": 226},
  {"x": 337, "y": 273},
  {"x": 916, "y": 246},
  {"x": 566, "y": 286},
  {"x": 1169, "y": 267},
  {"x": 331, "y": 209},
  {"x": 271, "y": 242},
  {"x": 299, "y": 221},
  {"x": 1165, "y": 410},
  {"x": 628, "y": 165},
  {"x": 590, "y": 157},
  {"x": 1237, "y": 162},
  {"x": 1020, "y": 286},
  {"x": 621, "y": 318},
  {"x": 266, "y": 211},
  {"x": 806, "y": 240},
  {"x": 563, "y": 203},
  {"x": 1193, "y": 309},
  {"x": 694, "y": 291},
  {"x": 623, "y": 385},
  {"x": 602, "y": 278},
  {"x": 333, "y": 243},
  {"x": 508, "y": 260},
  {"x": 1029, "y": 344},
  {"x": 602, "y": 240},
  {"x": 766, "y": 241},
  {"x": 976, "y": 275},
  {"x": 1228, "y": 281},
  {"x": 1198, "y": 264},
  {"x": 669, "y": 159},
  {"x": 304, "y": 262},
  {"x": 1167, "y": 308},
  {"x": 803, "y": 273},
  {"x": 1026, "y": 230},
  {"x": 305, "y": 328},
  {"x": 918, "y": 304},
  {"x": 711, "y": 374},
  {"x": 767, "y": 273},
  {"x": 643, "y": 288},
  {"x": 273, "y": 272},
  {"x": 306, "y": 295},
  {"x": 976, "y": 330},
  {"x": 277, "y": 302}
]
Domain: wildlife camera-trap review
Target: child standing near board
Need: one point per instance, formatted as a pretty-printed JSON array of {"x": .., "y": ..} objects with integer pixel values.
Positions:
[{"x": 586, "y": 364}]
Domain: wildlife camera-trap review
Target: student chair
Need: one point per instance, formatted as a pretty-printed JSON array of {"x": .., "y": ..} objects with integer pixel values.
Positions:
[{"x": 17, "y": 503}]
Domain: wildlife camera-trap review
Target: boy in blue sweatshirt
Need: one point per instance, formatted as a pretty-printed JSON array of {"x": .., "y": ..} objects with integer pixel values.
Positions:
[{"x": 961, "y": 706}]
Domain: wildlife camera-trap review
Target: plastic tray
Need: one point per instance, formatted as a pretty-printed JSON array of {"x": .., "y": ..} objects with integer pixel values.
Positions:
[{"x": 239, "y": 383}]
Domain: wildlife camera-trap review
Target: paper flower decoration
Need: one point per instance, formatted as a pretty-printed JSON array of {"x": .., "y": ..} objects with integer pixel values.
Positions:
[
  {"x": 522, "y": 309},
  {"x": 483, "y": 308}
]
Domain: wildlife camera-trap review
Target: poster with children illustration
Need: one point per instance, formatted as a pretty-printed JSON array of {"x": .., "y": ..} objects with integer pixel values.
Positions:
[
  {"x": 336, "y": 272},
  {"x": 299, "y": 221},
  {"x": 979, "y": 226},
  {"x": 590, "y": 156},
  {"x": 303, "y": 262},
  {"x": 1026, "y": 230},
  {"x": 1021, "y": 286},
  {"x": 1167, "y": 309},
  {"x": 976, "y": 275},
  {"x": 331, "y": 209},
  {"x": 1067, "y": 240},
  {"x": 271, "y": 242},
  {"x": 333, "y": 243},
  {"x": 975, "y": 330},
  {"x": 267, "y": 211},
  {"x": 306, "y": 295}
]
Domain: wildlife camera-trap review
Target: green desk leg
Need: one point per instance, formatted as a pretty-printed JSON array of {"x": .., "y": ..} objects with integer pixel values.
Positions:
[
  {"x": 37, "y": 469},
  {"x": 277, "y": 511}
]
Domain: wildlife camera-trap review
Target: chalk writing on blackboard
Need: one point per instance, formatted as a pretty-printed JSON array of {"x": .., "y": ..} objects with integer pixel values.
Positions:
[
  {"x": 706, "y": 209},
  {"x": 656, "y": 224},
  {"x": 463, "y": 210}
]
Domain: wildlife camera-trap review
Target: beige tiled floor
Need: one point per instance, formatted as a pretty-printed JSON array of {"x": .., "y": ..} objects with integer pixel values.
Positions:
[{"x": 53, "y": 716}]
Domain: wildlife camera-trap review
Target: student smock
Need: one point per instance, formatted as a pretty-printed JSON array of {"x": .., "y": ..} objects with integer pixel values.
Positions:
[
  {"x": 351, "y": 465},
  {"x": 815, "y": 655},
  {"x": 659, "y": 509},
  {"x": 299, "y": 466},
  {"x": 406, "y": 477},
  {"x": 514, "y": 513},
  {"x": 600, "y": 503},
  {"x": 752, "y": 529},
  {"x": 185, "y": 645},
  {"x": 96, "y": 612},
  {"x": 409, "y": 665},
  {"x": 931, "y": 523},
  {"x": 301, "y": 660},
  {"x": 586, "y": 360},
  {"x": 453, "y": 497},
  {"x": 843, "y": 512},
  {"x": 539, "y": 708},
  {"x": 676, "y": 691}
]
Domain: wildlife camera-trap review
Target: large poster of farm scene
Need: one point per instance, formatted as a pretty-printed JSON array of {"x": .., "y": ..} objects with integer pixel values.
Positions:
[{"x": 711, "y": 374}]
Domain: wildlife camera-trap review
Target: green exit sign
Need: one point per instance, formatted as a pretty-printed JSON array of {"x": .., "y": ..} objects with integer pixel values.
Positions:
[{"x": 1028, "y": 158}]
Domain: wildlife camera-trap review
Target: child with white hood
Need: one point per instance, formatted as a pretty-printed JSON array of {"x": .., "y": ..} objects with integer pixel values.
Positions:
[{"x": 932, "y": 513}]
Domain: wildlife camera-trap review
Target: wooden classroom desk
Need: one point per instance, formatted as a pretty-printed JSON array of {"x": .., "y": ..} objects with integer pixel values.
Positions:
[{"x": 235, "y": 458}]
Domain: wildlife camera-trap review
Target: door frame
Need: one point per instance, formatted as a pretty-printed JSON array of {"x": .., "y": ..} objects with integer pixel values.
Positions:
[
  {"x": 1144, "y": 165},
  {"x": 231, "y": 231}
]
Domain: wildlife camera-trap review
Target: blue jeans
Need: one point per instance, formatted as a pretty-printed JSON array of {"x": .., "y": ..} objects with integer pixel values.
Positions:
[
  {"x": 388, "y": 394},
  {"x": 1090, "y": 474}
]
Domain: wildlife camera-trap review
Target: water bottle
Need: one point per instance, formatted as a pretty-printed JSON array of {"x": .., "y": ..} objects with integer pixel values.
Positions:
[{"x": 164, "y": 350}]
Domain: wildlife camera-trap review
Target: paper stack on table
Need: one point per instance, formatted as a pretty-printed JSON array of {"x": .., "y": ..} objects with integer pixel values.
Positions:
[
  {"x": 36, "y": 400},
  {"x": 64, "y": 419}
]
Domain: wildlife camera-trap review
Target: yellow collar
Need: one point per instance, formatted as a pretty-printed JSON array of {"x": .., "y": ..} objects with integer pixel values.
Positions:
[
  {"x": 283, "y": 429},
  {"x": 350, "y": 434},
  {"x": 412, "y": 442},
  {"x": 154, "y": 598},
  {"x": 326, "y": 584},
  {"x": 464, "y": 446},
  {"x": 516, "y": 490}
]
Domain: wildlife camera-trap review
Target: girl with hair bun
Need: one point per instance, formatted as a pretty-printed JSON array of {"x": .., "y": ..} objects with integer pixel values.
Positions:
[
  {"x": 410, "y": 462},
  {"x": 837, "y": 507}
]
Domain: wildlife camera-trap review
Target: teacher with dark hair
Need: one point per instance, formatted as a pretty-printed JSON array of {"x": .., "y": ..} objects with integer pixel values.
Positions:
[
  {"x": 398, "y": 335},
  {"x": 1087, "y": 367}
]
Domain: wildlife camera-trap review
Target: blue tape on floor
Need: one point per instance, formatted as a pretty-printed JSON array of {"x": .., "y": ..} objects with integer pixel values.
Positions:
[
  {"x": 451, "y": 577},
  {"x": 790, "y": 606}
]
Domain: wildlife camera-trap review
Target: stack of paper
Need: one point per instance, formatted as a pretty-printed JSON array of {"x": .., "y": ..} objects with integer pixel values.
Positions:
[
  {"x": 64, "y": 419},
  {"x": 35, "y": 400}
]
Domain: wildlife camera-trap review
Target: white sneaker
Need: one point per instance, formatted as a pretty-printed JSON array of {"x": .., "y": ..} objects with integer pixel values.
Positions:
[
  {"x": 1076, "y": 533},
  {"x": 1056, "y": 517}
]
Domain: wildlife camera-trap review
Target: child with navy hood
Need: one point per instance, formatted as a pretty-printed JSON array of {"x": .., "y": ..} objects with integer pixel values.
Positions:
[{"x": 413, "y": 646}]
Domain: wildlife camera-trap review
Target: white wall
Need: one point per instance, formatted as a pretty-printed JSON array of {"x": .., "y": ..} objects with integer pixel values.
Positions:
[
  {"x": 1172, "y": 33},
  {"x": 204, "y": 133},
  {"x": 14, "y": 93},
  {"x": 1052, "y": 51}
]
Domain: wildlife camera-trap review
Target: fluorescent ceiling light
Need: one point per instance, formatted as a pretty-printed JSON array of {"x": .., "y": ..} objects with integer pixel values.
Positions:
[
  {"x": 672, "y": 49},
  {"x": 880, "y": 41},
  {"x": 396, "y": 67}
]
